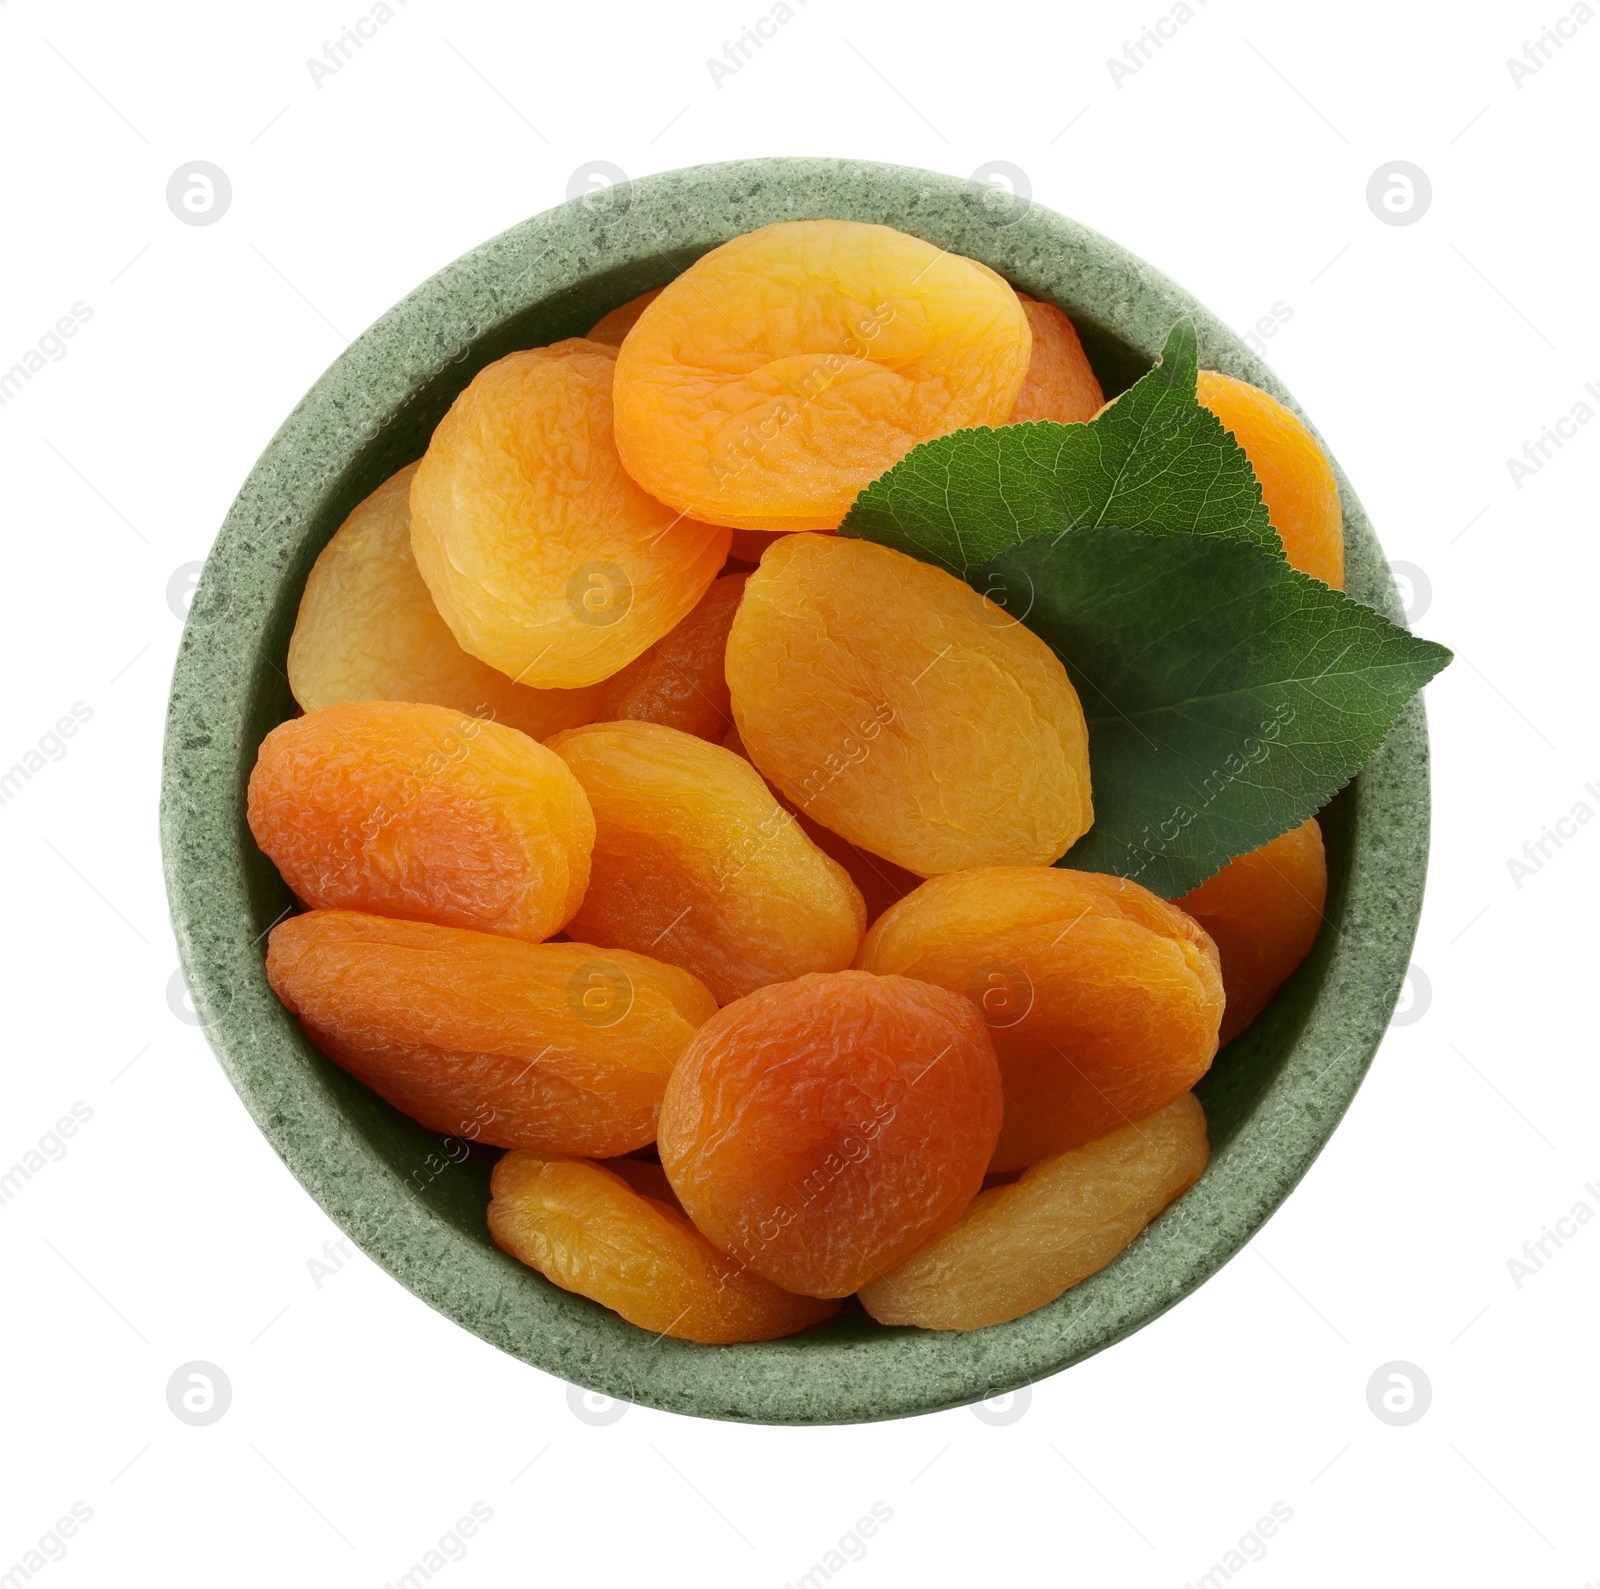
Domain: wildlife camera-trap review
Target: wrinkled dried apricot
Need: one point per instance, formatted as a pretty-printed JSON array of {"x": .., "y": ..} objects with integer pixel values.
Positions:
[
  {"x": 1018, "y": 1247},
  {"x": 560, "y": 1047},
  {"x": 368, "y": 631},
  {"x": 1059, "y": 384},
  {"x": 881, "y": 882},
  {"x": 585, "y": 1228},
  {"x": 542, "y": 555},
  {"x": 680, "y": 681},
  {"x": 696, "y": 863},
  {"x": 1263, "y": 911},
  {"x": 1297, "y": 481},
  {"x": 898, "y": 707},
  {"x": 422, "y": 812},
  {"x": 1103, "y": 1000},
  {"x": 821, "y": 1130},
  {"x": 784, "y": 370},
  {"x": 613, "y": 327}
]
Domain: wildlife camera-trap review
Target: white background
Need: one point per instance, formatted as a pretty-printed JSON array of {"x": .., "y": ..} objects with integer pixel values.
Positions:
[{"x": 362, "y": 1425}]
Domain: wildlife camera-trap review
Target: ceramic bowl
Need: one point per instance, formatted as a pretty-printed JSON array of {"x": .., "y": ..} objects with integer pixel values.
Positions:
[{"x": 412, "y": 1201}]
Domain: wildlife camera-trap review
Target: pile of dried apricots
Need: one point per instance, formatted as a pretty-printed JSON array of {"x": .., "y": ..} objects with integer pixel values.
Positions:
[{"x": 703, "y": 858}]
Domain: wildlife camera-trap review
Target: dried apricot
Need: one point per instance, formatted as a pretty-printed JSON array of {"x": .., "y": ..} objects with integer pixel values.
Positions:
[
  {"x": 368, "y": 631},
  {"x": 821, "y": 1130},
  {"x": 1102, "y": 1000},
  {"x": 1020, "y": 1246},
  {"x": 680, "y": 681},
  {"x": 1297, "y": 481},
  {"x": 1059, "y": 384},
  {"x": 784, "y": 370},
  {"x": 585, "y": 1228},
  {"x": 898, "y": 707},
  {"x": 696, "y": 863},
  {"x": 881, "y": 882},
  {"x": 542, "y": 555},
  {"x": 559, "y": 1047},
  {"x": 1263, "y": 911},
  {"x": 613, "y": 327},
  {"x": 422, "y": 812}
]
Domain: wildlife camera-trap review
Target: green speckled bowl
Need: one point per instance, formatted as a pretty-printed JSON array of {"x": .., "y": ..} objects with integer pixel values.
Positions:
[{"x": 1273, "y": 1097}]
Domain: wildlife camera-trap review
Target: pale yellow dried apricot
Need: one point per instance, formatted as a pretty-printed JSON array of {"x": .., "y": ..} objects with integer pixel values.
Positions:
[
  {"x": 561, "y": 1047},
  {"x": 368, "y": 631},
  {"x": 1020, "y": 1246},
  {"x": 898, "y": 707},
  {"x": 544, "y": 557},
  {"x": 1103, "y": 1000},
  {"x": 586, "y": 1228},
  {"x": 784, "y": 370},
  {"x": 422, "y": 812},
  {"x": 695, "y": 863}
]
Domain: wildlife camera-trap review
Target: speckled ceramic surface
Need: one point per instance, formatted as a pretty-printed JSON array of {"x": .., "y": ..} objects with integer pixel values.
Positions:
[{"x": 1272, "y": 1099}]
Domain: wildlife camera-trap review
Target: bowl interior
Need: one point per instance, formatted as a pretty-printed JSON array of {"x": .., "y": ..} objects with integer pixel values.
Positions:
[{"x": 416, "y": 1202}]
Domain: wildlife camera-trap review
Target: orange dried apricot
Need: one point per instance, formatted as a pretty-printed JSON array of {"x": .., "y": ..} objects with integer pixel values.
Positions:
[
  {"x": 821, "y": 1130},
  {"x": 560, "y": 1047},
  {"x": 881, "y": 882},
  {"x": 1020, "y": 1246},
  {"x": 784, "y": 370},
  {"x": 418, "y": 811},
  {"x": 542, "y": 555},
  {"x": 368, "y": 631},
  {"x": 1060, "y": 384},
  {"x": 1103, "y": 1000},
  {"x": 680, "y": 681},
  {"x": 585, "y": 1228},
  {"x": 613, "y": 327},
  {"x": 1297, "y": 481},
  {"x": 696, "y": 863},
  {"x": 1263, "y": 911},
  {"x": 899, "y": 708}
]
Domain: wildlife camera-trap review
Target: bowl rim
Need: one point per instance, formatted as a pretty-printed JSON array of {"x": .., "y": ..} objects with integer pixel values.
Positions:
[{"x": 856, "y": 1377}]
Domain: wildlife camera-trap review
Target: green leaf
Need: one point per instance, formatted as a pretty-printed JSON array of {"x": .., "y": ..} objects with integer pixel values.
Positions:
[
  {"x": 1153, "y": 460},
  {"x": 1228, "y": 695}
]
